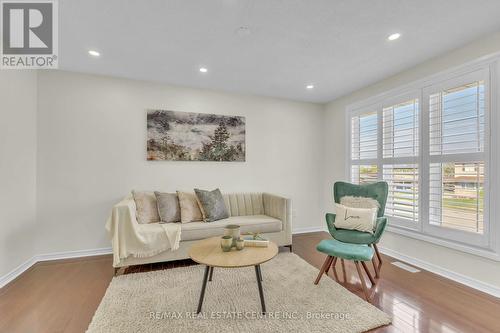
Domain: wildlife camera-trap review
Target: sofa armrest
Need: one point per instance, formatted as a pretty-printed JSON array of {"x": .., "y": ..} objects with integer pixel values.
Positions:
[
  {"x": 280, "y": 208},
  {"x": 124, "y": 212},
  {"x": 122, "y": 219},
  {"x": 130, "y": 238}
]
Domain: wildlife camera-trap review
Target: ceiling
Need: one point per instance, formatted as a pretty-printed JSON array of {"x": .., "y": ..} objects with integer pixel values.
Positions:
[{"x": 338, "y": 46}]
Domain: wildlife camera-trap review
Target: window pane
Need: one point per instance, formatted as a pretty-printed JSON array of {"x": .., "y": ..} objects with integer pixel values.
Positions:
[
  {"x": 457, "y": 120},
  {"x": 402, "y": 201},
  {"x": 457, "y": 195},
  {"x": 363, "y": 174},
  {"x": 400, "y": 124},
  {"x": 364, "y": 136}
]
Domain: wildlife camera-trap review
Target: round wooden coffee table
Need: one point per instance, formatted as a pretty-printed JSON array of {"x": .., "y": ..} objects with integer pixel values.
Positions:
[{"x": 208, "y": 252}]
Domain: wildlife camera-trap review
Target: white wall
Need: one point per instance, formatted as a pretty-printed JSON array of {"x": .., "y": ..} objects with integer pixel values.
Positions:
[
  {"x": 91, "y": 152},
  {"x": 471, "y": 266},
  {"x": 18, "y": 98}
]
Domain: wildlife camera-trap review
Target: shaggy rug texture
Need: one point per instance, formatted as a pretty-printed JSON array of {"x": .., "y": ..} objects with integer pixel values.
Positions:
[{"x": 166, "y": 301}]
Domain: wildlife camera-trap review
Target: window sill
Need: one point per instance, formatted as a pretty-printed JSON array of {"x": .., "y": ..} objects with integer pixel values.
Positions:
[{"x": 481, "y": 252}]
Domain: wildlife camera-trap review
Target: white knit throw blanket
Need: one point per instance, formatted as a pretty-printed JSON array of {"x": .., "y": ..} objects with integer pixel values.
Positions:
[{"x": 130, "y": 238}]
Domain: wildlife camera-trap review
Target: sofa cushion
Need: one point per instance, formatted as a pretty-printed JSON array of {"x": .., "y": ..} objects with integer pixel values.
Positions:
[
  {"x": 168, "y": 207},
  {"x": 190, "y": 209},
  {"x": 212, "y": 205},
  {"x": 147, "y": 210},
  {"x": 251, "y": 223}
]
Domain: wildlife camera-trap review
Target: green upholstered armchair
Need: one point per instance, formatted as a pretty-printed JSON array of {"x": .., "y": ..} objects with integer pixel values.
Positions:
[{"x": 377, "y": 191}]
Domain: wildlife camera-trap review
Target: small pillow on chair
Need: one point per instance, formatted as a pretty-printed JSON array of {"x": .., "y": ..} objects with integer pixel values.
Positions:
[{"x": 361, "y": 219}]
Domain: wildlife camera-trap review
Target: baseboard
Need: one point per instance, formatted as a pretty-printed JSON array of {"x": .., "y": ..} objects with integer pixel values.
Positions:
[
  {"x": 7, "y": 278},
  {"x": 457, "y": 277},
  {"x": 297, "y": 231},
  {"x": 73, "y": 254},
  {"x": 4, "y": 280}
]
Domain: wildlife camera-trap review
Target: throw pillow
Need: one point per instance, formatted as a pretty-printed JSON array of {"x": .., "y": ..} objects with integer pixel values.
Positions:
[
  {"x": 190, "y": 210},
  {"x": 359, "y": 202},
  {"x": 147, "y": 210},
  {"x": 361, "y": 219},
  {"x": 212, "y": 205},
  {"x": 168, "y": 207}
]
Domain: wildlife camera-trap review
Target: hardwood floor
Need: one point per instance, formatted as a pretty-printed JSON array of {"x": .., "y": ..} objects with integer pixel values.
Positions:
[{"x": 61, "y": 296}]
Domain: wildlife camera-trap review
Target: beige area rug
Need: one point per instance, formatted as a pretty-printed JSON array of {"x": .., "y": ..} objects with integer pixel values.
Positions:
[{"x": 166, "y": 301}]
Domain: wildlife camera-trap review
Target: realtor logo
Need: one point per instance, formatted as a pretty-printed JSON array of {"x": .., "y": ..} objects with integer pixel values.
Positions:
[{"x": 29, "y": 34}]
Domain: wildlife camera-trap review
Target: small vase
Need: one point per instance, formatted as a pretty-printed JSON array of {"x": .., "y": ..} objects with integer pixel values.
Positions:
[
  {"x": 226, "y": 243},
  {"x": 232, "y": 230},
  {"x": 240, "y": 244}
]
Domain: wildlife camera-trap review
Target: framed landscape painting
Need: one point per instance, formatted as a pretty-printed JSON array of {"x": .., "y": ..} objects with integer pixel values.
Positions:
[{"x": 187, "y": 136}]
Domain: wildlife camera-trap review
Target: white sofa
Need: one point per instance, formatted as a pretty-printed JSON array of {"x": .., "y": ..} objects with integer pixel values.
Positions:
[{"x": 265, "y": 213}]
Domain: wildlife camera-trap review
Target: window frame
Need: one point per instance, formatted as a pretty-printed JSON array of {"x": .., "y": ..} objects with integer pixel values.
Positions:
[
  {"x": 479, "y": 240},
  {"x": 380, "y": 161},
  {"x": 401, "y": 98},
  {"x": 487, "y": 244}
]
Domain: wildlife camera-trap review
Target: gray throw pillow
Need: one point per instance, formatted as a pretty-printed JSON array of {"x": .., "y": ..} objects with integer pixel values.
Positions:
[
  {"x": 212, "y": 205},
  {"x": 168, "y": 207}
]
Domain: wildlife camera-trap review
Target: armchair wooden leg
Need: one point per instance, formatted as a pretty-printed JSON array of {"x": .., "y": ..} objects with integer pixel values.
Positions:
[
  {"x": 368, "y": 273},
  {"x": 375, "y": 268},
  {"x": 334, "y": 270},
  {"x": 343, "y": 269},
  {"x": 379, "y": 257},
  {"x": 326, "y": 264},
  {"x": 362, "y": 279},
  {"x": 332, "y": 265}
]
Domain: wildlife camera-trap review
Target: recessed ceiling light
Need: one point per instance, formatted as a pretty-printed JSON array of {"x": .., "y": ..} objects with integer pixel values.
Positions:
[
  {"x": 310, "y": 86},
  {"x": 203, "y": 70},
  {"x": 394, "y": 36},
  {"x": 94, "y": 53},
  {"x": 243, "y": 31}
]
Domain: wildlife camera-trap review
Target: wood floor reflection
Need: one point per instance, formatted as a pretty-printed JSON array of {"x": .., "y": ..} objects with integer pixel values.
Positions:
[{"x": 62, "y": 296}]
